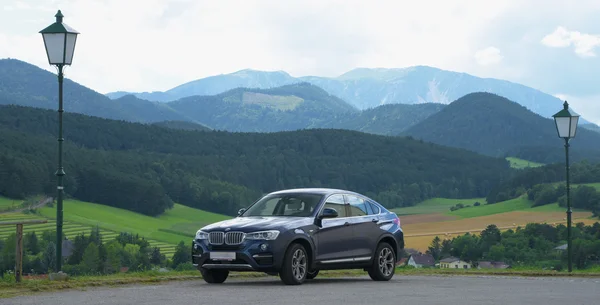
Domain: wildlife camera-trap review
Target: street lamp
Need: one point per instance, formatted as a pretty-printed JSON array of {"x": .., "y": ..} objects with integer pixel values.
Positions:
[
  {"x": 566, "y": 125},
  {"x": 59, "y": 41}
]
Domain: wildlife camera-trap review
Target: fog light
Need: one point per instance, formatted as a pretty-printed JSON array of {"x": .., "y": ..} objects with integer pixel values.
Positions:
[{"x": 264, "y": 247}]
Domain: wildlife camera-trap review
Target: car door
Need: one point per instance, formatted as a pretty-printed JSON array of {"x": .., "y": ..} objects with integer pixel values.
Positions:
[
  {"x": 365, "y": 227},
  {"x": 335, "y": 233}
]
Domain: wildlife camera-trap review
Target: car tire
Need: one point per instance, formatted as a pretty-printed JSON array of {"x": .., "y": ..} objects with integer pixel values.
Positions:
[
  {"x": 295, "y": 265},
  {"x": 312, "y": 275},
  {"x": 214, "y": 276},
  {"x": 384, "y": 263}
]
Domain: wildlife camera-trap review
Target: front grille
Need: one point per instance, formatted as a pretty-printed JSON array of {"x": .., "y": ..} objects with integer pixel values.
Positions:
[
  {"x": 216, "y": 238},
  {"x": 234, "y": 238},
  {"x": 229, "y": 238}
]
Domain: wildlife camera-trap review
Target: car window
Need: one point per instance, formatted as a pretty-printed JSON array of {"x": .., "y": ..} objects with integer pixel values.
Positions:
[
  {"x": 358, "y": 206},
  {"x": 336, "y": 202},
  {"x": 374, "y": 208},
  {"x": 296, "y": 205}
]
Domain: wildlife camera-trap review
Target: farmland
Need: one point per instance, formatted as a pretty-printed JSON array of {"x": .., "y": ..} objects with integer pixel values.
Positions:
[
  {"x": 421, "y": 223},
  {"x": 175, "y": 225},
  {"x": 436, "y": 205},
  {"x": 164, "y": 232}
]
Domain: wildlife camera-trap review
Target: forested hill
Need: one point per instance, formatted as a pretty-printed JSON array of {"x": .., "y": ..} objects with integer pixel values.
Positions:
[
  {"x": 145, "y": 167},
  {"x": 289, "y": 107},
  {"x": 495, "y": 126}
]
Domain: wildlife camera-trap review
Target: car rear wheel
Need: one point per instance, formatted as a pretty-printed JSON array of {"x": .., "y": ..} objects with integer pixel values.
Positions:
[
  {"x": 214, "y": 276},
  {"x": 384, "y": 266},
  {"x": 295, "y": 265},
  {"x": 312, "y": 275}
]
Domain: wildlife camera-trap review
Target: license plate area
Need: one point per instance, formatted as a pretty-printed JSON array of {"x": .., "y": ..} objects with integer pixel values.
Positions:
[{"x": 222, "y": 256}]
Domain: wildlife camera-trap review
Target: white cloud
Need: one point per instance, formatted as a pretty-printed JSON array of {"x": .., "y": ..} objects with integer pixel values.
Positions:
[
  {"x": 148, "y": 45},
  {"x": 488, "y": 56},
  {"x": 584, "y": 43}
]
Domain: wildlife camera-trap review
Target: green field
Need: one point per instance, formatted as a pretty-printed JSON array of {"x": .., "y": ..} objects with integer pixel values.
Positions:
[
  {"x": 175, "y": 225},
  {"x": 436, "y": 205},
  {"x": 6, "y": 203},
  {"x": 520, "y": 163},
  {"x": 516, "y": 204}
]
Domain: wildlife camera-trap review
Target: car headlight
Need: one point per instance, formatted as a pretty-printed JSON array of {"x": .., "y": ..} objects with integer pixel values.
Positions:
[
  {"x": 263, "y": 235},
  {"x": 201, "y": 235}
]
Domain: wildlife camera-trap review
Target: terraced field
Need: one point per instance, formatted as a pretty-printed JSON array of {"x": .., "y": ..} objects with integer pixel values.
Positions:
[{"x": 70, "y": 230}]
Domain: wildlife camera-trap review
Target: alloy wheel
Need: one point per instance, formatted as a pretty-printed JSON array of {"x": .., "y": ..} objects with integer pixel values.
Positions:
[
  {"x": 386, "y": 261},
  {"x": 299, "y": 264}
]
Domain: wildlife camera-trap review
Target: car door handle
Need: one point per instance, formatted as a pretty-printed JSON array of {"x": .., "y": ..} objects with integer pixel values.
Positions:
[
  {"x": 375, "y": 220},
  {"x": 346, "y": 223}
]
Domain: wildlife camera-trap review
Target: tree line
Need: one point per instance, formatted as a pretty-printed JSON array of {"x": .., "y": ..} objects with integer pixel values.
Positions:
[
  {"x": 533, "y": 245},
  {"x": 544, "y": 185},
  {"x": 90, "y": 255},
  {"x": 146, "y": 168}
]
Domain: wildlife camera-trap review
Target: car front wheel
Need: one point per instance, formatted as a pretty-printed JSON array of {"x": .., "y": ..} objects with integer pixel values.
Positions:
[
  {"x": 214, "y": 276},
  {"x": 295, "y": 265},
  {"x": 384, "y": 266}
]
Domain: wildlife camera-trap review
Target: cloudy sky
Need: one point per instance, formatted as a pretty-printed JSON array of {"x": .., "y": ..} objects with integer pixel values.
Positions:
[{"x": 149, "y": 45}]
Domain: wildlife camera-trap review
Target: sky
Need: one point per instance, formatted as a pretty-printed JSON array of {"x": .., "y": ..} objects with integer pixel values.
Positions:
[{"x": 155, "y": 45}]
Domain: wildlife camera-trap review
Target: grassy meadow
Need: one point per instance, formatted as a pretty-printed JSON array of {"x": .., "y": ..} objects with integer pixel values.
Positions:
[{"x": 520, "y": 163}]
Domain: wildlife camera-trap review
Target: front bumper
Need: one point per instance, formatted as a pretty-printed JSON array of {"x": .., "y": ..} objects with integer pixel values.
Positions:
[{"x": 250, "y": 255}]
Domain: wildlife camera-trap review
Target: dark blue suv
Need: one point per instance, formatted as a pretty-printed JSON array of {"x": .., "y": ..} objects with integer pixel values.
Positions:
[{"x": 295, "y": 233}]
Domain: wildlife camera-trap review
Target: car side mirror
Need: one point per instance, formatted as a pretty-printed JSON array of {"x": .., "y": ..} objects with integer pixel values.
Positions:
[
  {"x": 328, "y": 213},
  {"x": 241, "y": 211}
]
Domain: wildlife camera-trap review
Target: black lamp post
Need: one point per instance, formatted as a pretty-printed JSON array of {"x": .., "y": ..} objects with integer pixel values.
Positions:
[
  {"x": 59, "y": 41},
  {"x": 566, "y": 125}
]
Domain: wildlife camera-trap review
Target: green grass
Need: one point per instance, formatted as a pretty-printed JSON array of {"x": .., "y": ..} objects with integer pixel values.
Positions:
[
  {"x": 7, "y": 203},
  {"x": 436, "y": 205},
  {"x": 516, "y": 204},
  {"x": 520, "y": 163},
  {"x": 175, "y": 225}
]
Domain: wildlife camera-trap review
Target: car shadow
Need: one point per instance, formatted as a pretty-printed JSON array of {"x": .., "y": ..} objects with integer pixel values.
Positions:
[{"x": 317, "y": 281}]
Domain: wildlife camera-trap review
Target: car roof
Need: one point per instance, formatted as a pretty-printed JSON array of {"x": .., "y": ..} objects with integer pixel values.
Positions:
[{"x": 321, "y": 191}]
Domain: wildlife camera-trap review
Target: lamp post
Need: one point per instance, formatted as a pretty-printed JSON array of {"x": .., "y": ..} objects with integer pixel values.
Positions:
[
  {"x": 59, "y": 41},
  {"x": 566, "y": 125}
]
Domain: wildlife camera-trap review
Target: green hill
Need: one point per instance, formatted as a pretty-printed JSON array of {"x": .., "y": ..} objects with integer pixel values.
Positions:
[
  {"x": 290, "y": 107},
  {"x": 144, "y": 168},
  {"x": 493, "y": 125},
  {"x": 389, "y": 119},
  {"x": 177, "y": 224},
  {"x": 164, "y": 232}
]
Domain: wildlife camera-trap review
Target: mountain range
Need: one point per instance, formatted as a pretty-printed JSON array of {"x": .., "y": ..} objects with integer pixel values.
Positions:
[
  {"x": 483, "y": 122},
  {"x": 366, "y": 88}
]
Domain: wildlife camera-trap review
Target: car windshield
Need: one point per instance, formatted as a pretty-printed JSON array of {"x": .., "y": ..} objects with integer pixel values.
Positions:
[{"x": 291, "y": 205}]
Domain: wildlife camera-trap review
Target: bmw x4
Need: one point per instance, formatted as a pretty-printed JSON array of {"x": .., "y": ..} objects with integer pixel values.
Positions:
[{"x": 296, "y": 233}]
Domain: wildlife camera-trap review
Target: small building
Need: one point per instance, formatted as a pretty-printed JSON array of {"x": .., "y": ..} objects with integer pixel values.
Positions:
[
  {"x": 492, "y": 265},
  {"x": 421, "y": 260},
  {"x": 454, "y": 263}
]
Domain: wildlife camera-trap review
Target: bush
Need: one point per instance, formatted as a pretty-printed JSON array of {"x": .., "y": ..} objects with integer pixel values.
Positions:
[
  {"x": 477, "y": 204},
  {"x": 185, "y": 267}
]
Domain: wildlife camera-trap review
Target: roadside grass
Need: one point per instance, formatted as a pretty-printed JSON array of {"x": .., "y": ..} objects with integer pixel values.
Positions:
[
  {"x": 520, "y": 163},
  {"x": 175, "y": 225},
  {"x": 10, "y": 289},
  {"x": 435, "y": 205}
]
